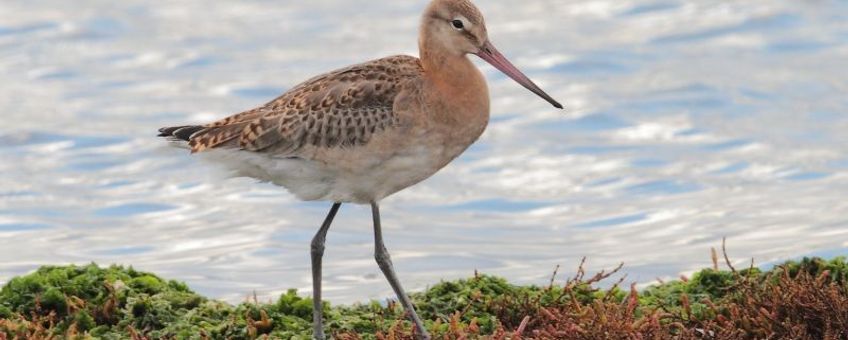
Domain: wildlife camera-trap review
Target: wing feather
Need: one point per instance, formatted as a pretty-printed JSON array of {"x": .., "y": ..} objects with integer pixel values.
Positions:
[{"x": 344, "y": 108}]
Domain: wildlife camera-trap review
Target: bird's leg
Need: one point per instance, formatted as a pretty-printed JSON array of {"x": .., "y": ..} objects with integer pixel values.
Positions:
[
  {"x": 317, "y": 254},
  {"x": 385, "y": 263}
]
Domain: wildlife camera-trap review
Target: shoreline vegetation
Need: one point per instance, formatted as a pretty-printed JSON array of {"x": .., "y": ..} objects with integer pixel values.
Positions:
[{"x": 805, "y": 299}]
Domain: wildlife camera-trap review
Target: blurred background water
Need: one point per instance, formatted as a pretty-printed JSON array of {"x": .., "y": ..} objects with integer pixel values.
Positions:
[{"x": 686, "y": 122}]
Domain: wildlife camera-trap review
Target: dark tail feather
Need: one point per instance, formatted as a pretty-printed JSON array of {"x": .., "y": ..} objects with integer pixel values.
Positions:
[{"x": 180, "y": 132}]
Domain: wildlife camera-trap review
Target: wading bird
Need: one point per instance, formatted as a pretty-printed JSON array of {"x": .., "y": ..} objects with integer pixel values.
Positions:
[{"x": 361, "y": 133}]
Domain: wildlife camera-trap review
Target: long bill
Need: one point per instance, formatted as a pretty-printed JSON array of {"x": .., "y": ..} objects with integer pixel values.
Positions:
[{"x": 491, "y": 55}]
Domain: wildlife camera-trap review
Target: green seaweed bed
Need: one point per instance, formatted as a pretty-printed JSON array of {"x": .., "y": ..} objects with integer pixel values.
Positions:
[{"x": 806, "y": 299}]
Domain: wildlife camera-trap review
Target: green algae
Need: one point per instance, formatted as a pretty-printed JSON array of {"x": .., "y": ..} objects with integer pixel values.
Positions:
[{"x": 117, "y": 302}]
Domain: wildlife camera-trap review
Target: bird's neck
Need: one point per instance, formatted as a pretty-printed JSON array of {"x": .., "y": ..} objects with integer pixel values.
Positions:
[
  {"x": 456, "y": 83},
  {"x": 457, "y": 99},
  {"x": 443, "y": 66}
]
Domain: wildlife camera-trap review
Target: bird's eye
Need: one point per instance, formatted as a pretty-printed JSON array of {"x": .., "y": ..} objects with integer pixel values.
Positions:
[{"x": 458, "y": 24}]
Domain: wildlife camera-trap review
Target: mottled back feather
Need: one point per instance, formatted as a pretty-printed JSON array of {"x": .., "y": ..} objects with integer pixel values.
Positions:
[{"x": 342, "y": 108}]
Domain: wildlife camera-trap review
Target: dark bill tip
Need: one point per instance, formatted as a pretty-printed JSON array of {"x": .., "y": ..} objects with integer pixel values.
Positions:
[{"x": 491, "y": 55}]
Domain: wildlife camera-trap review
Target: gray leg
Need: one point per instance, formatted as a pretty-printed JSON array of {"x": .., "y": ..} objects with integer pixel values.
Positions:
[
  {"x": 385, "y": 263},
  {"x": 317, "y": 253}
]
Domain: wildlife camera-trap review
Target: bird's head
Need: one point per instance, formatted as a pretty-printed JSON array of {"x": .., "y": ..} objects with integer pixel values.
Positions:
[{"x": 457, "y": 28}]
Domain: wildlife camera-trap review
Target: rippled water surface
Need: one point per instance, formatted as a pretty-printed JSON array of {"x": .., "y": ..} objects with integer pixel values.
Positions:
[{"x": 685, "y": 122}]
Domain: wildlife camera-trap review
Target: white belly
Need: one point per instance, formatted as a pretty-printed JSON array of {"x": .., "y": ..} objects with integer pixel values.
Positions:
[{"x": 360, "y": 181}]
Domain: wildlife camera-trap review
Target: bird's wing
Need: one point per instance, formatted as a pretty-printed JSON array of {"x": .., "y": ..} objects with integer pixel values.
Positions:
[{"x": 338, "y": 109}]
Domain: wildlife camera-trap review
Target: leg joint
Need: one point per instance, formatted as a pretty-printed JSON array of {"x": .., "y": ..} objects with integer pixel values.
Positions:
[
  {"x": 383, "y": 258},
  {"x": 317, "y": 246}
]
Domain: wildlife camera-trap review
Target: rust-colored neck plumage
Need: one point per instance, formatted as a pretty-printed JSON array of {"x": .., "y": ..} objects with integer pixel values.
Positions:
[{"x": 452, "y": 83}]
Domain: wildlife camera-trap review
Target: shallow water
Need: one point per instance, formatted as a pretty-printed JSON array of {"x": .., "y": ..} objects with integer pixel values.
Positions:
[{"x": 685, "y": 123}]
